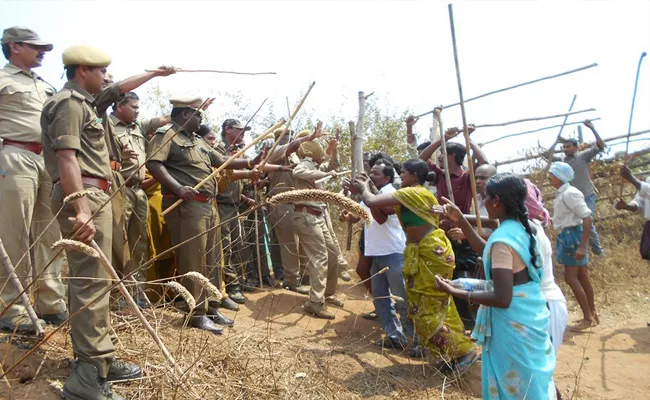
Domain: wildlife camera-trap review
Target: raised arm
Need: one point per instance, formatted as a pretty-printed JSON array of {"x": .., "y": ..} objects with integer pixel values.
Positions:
[
  {"x": 453, "y": 214},
  {"x": 627, "y": 175},
  {"x": 374, "y": 200},
  {"x": 479, "y": 154},
  {"x": 599, "y": 141},
  {"x": 411, "y": 140},
  {"x": 293, "y": 146}
]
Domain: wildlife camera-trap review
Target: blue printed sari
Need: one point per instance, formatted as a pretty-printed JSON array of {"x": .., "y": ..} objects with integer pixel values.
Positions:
[{"x": 518, "y": 358}]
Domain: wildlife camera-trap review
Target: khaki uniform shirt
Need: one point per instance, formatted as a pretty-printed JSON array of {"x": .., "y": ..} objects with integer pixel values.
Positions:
[
  {"x": 105, "y": 99},
  {"x": 69, "y": 122},
  {"x": 280, "y": 181},
  {"x": 186, "y": 157},
  {"x": 305, "y": 174},
  {"x": 22, "y": 96},
  {"x": 135, "y": 137},
  {"x": 234, "y": 188}
]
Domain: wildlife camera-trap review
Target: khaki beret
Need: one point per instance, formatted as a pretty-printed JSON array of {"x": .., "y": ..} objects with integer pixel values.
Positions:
[
  {"x": 278, "y": 132},
  {"x": 85, "y": 55},
  {"x": 20, "y": 34},
  {"x": 186, "y": 102},
  {"x": 303, "y": 133}
]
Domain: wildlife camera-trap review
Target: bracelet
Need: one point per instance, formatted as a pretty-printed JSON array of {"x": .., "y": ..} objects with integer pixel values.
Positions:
[
  {"x": 469, "y": 298},
  {"x": 249, "y": 164}
]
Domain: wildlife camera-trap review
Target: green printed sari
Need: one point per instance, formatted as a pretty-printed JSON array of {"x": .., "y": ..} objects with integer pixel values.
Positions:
[{"x": 429, "y": 308}]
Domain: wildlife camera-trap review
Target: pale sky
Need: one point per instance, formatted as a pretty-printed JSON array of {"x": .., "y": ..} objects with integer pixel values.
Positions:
[{"x": 401, "y": 50}]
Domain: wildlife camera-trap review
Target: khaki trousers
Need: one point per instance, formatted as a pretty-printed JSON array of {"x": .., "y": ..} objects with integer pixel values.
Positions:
[
  {"x": 232, "y": 243},
  {"x": 25, "y": 189},
  {"x": 120, "y": 245},
  {"x": 319, "y": 250},
  {"x": 343, "y": 263},
  {"x": 186, "y": 221},
  {"x": 281, "y": 220},
  {"x": 91, "y": 328},
  {"x": 136, "y": 210}
]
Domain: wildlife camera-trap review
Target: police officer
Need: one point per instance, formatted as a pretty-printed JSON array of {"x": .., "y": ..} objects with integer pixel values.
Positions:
[
  {"x": 179, "y": 160},
  {"x": 76, "y": 157},
  {"x": 25, "y": 185},
  {"x": 132, "y": 136}
]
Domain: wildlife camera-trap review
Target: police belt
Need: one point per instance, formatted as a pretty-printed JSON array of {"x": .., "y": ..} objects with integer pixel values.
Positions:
[
  {"x": 35, "y": 148},
  {"x": 99, "y": 183}
]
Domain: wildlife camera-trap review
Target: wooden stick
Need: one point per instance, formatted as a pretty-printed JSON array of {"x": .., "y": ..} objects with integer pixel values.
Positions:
[
  {"x": 566, "y": 115},
  {"x": 132, "y": 303},
  {"x": 227, "y": 162},
  {"x": 327, "y": 178},
  {"x": 515, "y": 86},
  {"x": 470, "y": 156},
  {"x": 9, "y": 269},
  {"x": 217, "y": 71},
  {"x": 549, "y": 156},
  {"x": 629, "y": 126},
  {"x": 545, "y": 154},
  {"x": 355, "y": 170},
  {"x": 536, "y": 130},
  {"x": 443, "y": 148},
  {"x": 257, "y": 242},
  {"x": 286, "y": 129}
]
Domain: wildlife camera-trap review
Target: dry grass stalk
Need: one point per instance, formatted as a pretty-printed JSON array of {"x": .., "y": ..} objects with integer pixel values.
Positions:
[
  {"x": 307, "y": 195},
  {"x": 77, "y": 195},
  {"x": 75, "y": 245},
  {"x": 207, "y": 285},
  {"x": 184, "y": 293}
]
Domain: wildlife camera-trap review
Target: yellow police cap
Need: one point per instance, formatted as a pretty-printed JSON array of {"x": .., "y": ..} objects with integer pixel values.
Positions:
[
  {"x": 186, "y": 102},
  {"x": 303, "y": 133},
  {"x": 85, "y": 55}
]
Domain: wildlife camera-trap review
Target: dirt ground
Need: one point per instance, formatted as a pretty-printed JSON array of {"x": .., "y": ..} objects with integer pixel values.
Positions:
[{"x": 276, "y": 351}]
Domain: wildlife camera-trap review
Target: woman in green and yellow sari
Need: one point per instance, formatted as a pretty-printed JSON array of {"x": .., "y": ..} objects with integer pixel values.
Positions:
[{"x": 428, "y": 253}]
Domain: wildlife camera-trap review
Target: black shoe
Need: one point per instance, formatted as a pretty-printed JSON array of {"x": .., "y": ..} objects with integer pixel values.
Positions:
[
  {"x": 416, "y": 352},
  {"x": 217, "y": 317},
  {"x": 389, "y": 342},
  {"x": 205, "y": 323},
  {"x": 371, "y": 316},
  {"x": 122, "y": 370},
  {"x": 270, "y": 282},
  {"x": 295, "y": 288},
  {"x": 250, "y": 286},
  {"x": 228, "y": 304},
  {"x": 237, "y": 297},
  {"x": 55, "y": 319}
]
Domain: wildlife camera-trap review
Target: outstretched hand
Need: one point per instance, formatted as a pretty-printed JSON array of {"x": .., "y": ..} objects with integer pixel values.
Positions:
[
  {"x": 411, "y": 120},
  {"x": 448, "y": 210}
]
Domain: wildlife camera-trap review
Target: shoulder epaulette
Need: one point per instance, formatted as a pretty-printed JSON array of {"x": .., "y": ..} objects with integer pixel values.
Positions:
[
  {"x": 164, "y": 129},
  {"x": 77, "y": 95}
]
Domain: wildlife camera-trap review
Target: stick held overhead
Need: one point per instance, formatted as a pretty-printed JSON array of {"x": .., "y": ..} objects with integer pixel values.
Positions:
[
  {"x": 517, "y": 86},
  {"x": 217, "y": 71},
  {"x": 566, "y": 115},
  {"x": 470, "y": 157}
]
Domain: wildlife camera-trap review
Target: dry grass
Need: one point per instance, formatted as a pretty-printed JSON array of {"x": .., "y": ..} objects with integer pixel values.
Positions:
[{"x": 275, "y": 351}]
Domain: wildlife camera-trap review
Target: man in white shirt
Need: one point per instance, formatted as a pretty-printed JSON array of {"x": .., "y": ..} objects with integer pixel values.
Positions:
[
  {"x": 640, "y": 202},
  {"x": 385, "y": 242},
  {"x": 572, "y": 221}
]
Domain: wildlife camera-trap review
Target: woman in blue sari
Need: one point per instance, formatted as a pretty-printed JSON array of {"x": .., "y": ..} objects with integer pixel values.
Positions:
[{"x": 511, "y": 326}]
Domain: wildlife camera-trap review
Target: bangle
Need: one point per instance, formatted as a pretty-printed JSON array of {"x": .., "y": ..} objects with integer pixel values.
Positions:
[
  {"x": 249, "y": 164},
  {"x": 469, "y": 298}
]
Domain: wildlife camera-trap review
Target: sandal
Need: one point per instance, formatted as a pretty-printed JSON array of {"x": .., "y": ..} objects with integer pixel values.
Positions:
[
  {"x": 371, "y": 316},
  {"x": 460, "y": 367}
]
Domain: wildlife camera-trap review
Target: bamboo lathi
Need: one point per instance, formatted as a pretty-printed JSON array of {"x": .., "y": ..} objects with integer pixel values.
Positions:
[
  {"x": 228, "y": 161},
  {"x": 217, "y": 71},
  {"x": 565, "y": 115},
  {"x": 515, "y": 86},
  {"x": 470, "y": 156},
  {"x": 286, "y": 129},
  {"x": 11, "y": 273}
]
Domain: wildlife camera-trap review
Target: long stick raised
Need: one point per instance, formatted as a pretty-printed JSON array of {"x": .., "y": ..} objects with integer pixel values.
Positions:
[
  {"x": 549, "y": 156},
  {"x": 217, "y": 71},
  {"x": 437, "y": 119},
  {"x": 286, "y": 128},
  {"x": 516, "y": 86},
  {"x": 565, "y": 115},
  {"x": 470, "y": 160},
  {"x": 228, "y": 161},
  {"x": 629, "y": 126},
  {"x": 537, "y": 130}
]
